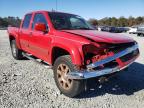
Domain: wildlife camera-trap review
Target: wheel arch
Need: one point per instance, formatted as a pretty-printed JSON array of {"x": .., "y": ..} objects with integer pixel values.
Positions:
[
  {"x": 13, "y": 37},
  {"x": 58, "y": 51}
]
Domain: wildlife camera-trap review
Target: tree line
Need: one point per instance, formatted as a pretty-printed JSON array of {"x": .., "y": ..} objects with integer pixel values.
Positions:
[
  {"x": 107, "y": 21},
  {"x": 117, "y": 22},
  {"x": 10, "y": 21}
]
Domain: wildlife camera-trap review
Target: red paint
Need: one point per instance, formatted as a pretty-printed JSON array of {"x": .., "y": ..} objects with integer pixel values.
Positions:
[
  {"x": 41, "y": 44},
  {"x": 40, "y": 27}
]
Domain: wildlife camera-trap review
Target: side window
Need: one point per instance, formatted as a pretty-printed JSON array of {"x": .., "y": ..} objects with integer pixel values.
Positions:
[
  {"x": 26, "y": 21},
  {"x": 39, "y": 18}
]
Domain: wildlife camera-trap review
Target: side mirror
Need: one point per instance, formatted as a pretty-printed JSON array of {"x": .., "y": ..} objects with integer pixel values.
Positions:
[{"x": 40, "y": 27}]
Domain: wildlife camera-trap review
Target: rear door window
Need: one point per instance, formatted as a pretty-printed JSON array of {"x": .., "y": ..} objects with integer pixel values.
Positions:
[
  {"x": 39, "y": 18},
  {"x": 26, "y": 21}
]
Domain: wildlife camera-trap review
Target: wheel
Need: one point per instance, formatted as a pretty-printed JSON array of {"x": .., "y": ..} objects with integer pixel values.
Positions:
[
  {"x": 16, "y": 53},
  {"x": 142, "y": 35},
  {"x": 138, "y": 34},
  {"x": 69, "y": 87}
]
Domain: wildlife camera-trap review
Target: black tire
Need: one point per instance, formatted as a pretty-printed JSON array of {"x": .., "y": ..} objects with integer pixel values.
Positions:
[
  {"x": 16, "y": 53},
  {"x": 142, "y": 35},
  {"x": 138, "y": 34},
  {"x": 76, "y": 86}
]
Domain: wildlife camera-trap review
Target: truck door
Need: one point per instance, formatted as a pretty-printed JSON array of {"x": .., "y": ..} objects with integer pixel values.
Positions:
[
  {"x": 39, "y": 43},
  {"x": 24, "y": 32}
]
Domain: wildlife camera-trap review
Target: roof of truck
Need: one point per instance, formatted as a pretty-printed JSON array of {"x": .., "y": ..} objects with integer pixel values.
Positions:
[{"x": 47, "y": 12}]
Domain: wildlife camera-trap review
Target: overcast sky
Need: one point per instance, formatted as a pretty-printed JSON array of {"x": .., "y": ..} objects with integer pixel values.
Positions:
[{"x": 86, "y": 8}]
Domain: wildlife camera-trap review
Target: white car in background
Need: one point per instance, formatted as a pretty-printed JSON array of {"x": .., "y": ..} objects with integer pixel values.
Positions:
[
  {"x": 140, "y": 30},
  {"x": 132, "y": 30}
]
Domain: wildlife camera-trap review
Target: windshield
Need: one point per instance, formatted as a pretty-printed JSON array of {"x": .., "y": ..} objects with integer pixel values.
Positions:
[{"x": 63, "y": 21}]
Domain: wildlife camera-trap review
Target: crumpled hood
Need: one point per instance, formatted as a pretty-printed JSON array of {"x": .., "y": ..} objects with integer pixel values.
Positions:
[{"x": 98, "y": 36}]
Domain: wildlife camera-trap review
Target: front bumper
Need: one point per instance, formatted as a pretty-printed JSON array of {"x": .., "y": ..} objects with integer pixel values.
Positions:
[{"x": 85, "y": 74}]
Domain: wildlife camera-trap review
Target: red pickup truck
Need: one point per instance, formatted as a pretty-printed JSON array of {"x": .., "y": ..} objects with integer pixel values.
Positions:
[{"x": 74, "y": 50}]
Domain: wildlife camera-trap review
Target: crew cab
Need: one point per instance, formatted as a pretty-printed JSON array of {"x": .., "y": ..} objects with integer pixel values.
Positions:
[{"x": 75, "y": 51}]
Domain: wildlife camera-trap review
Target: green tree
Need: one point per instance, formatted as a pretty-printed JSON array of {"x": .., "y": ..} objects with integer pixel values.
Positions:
[
  {"x": 131, "y": 21},
  {"x": 93, "y": 21},
  {"x": 113, "y": 21},
  {"x": 139, "y": 20},
  {"x": 122, "y": 22}
]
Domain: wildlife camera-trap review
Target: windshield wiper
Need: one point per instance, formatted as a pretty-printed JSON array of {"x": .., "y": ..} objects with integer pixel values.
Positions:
[
  {"x": 84, "y": 28},
  {"x": 80, "y": 28}
]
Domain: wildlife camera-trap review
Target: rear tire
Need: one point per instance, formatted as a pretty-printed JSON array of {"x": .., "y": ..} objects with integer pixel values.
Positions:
[
  {"x": 142, "y": 35},
  {"x": 16, "y": 53},
  {"x": 138, "y": 34},
  {"x": 68, "y": 87}
]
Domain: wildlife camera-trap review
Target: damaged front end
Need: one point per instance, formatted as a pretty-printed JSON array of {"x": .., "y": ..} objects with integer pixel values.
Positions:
[{"x": 104, "y": 59}]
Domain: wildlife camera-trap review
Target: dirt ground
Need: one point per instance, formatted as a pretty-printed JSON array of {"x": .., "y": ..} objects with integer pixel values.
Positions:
[{"x": 27, "y": 84}]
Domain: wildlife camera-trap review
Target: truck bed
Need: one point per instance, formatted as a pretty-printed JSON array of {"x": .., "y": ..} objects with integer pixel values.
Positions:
[{"x": 13, "y": 31}]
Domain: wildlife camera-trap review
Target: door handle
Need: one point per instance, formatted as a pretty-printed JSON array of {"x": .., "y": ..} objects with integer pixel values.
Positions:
[
  {"x": 30, "y": 33},
  {"x": 21, "y": 32}
]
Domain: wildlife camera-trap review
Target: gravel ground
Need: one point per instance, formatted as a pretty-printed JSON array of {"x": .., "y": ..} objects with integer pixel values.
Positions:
[{"x": 27, "y": 84}]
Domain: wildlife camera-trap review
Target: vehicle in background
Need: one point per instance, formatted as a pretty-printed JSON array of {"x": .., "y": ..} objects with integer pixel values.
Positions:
[
  {"x": 140, "y": 30},
  {"x": 132, "y": 30},
  {"x": 112, "y": 29},
  {"x": 95, "y": 27},
  {"x": 104, "y": 28},
  {"x": 122, "y": 29},
  {"x": 3, "y": 28},
  {"x": 100, "y": 28}
]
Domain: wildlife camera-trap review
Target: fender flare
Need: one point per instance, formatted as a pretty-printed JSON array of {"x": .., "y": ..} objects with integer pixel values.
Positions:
[
  {"x": 15, "y": 36},
  {"x": 73, "y": 51}
]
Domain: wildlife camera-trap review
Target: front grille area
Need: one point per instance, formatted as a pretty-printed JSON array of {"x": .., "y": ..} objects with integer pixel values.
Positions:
[
  {"x": 111, "y": 64},
  {"x": 129, "y": 56},
  {"x": 120, "y": 47}
]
